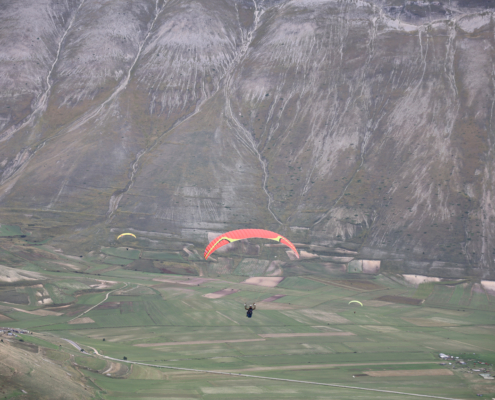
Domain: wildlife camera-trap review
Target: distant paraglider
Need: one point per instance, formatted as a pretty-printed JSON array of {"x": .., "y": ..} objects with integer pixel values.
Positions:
[
  {"x": 355, "y": 301},
  {"x": 250, "y": 309},
  {"x": 126, "y": 234},
  {"x": 234, "y": 236}
]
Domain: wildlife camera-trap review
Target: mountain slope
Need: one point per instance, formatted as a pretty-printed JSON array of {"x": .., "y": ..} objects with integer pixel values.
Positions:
[{"x": 366, "y": 125}]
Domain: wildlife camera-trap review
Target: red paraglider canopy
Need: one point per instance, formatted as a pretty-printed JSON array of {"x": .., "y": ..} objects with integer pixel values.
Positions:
[{"x": 234, "y": 236}]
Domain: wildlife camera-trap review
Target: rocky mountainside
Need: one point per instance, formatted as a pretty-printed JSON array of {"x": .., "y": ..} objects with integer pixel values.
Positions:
[{"x": 358, "y": 126}]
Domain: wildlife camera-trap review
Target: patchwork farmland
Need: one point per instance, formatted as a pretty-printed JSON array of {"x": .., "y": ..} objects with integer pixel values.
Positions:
[{"x": 130, "y": 333}]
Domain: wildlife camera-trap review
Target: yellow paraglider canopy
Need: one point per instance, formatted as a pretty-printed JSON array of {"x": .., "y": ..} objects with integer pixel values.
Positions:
[
  {"x": 126, "y": 234},
  {"x": 355, "y": 301}
]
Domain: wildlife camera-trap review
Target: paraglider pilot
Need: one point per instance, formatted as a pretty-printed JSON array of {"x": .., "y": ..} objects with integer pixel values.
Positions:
[{"x": 250, "y": 309}]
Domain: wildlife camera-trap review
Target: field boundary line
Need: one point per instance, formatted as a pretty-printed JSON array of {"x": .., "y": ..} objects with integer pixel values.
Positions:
[
  {"x": 276, "y": 379},
  {"x": 223, "y": 315},
  {"x": 320, "y": 366},
  {"x": 197, "y": 342}
]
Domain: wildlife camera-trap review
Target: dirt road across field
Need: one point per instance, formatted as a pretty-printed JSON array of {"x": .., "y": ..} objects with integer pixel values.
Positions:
[
  {"x": 411, "y": 372},
  {"x": 284, "y": 335},
  {"x": 321, "y": 366},
  {"x": 197, "y": 342}
]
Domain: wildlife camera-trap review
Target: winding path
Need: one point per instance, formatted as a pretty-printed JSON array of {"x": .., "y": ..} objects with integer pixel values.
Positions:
[
  {"x": 74, "y": 344},
  {"x": 105, "y": 299}
]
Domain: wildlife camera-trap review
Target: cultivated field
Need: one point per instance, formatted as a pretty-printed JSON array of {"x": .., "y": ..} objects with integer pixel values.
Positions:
[{"x": 143, "y": 333}]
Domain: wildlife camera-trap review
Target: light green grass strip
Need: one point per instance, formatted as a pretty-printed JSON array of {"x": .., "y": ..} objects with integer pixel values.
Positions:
[{"x": 10, "y": 230}]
